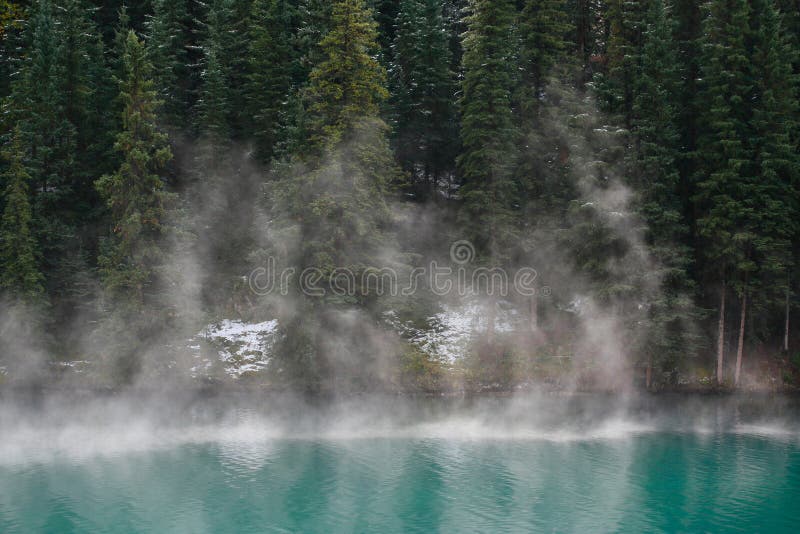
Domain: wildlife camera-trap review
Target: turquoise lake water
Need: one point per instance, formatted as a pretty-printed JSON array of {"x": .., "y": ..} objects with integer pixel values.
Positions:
[{"x": 460, "y": 474}]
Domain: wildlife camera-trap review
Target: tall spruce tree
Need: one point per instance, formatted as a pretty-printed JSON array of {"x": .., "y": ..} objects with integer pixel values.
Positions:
[
  {"x": 19, "y": 270},
  {"x": 349, "y": 151},
  {"x": 424, "y": 88},
  {"x": 488, "y": 135},
  {"x": 337, "y": 205},
  {"x": 623, "y": 55},
  {"x": 215, "y": 105},
  {"x": 168, "y": 39},
  {"x": 543, "y": 26},
  {"x": 489, "y": 194},
  {"x": 269, "y": 84},
  {"x": 348, "y": 85},
  {"x": 725, "y": 189},
  {"x": 12, "y": 15},
  {"x": 655, "y": 122},
  {"x": 770, "y": 202},
  {"x": 135, "y": 194}
]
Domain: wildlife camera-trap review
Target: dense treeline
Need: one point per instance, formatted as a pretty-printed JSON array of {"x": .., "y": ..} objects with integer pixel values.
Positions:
[{"x": 134, "y": 133}]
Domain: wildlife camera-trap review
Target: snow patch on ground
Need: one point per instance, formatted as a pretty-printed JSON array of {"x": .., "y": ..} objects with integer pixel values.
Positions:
[
  {"x": 241, "y": 347},
  {"x": 451, "y": 331}
]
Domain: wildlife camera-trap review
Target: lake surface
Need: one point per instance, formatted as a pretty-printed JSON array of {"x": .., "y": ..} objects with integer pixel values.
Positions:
[{"x": 485, "y": 469}]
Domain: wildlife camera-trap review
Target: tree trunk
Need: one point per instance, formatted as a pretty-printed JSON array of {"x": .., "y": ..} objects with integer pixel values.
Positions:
[
  {"x": 740, "y": 348},
  {"x": 786, "y": 329},
  {"x": 721, "y": 338},
  {"x": 490, "y": 320}
]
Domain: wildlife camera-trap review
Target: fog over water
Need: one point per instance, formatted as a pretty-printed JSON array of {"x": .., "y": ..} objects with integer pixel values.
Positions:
[{"x": 81, "y": 426}]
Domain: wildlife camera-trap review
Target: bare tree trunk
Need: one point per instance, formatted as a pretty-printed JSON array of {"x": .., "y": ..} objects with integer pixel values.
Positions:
[
  {"x": 534, "y": 313},
  {"x": 740, "y": 348},
  {"x": 721, "y": 338},
  {"x": 788, "y": 309},
  {"x": 490, "y": 320}
]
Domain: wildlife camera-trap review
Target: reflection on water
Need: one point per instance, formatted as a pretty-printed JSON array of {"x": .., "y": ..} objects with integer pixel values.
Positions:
[
  {"x": 497, "y": 468},
  {"x": 655, "y": 481}
]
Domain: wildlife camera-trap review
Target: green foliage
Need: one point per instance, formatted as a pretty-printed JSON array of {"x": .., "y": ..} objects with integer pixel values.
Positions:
[
  {"x": 488, "y": 135},
  {"x": 271, "y": 63},
  {"x": 749, "y": 162},
  {"x": 349, "y": 84},
  {"x": 543, "y": 27},
  {"x": 340, "y": 201},
  {"x": 11, "y": 16},
  {"x": 418, "y": 371},
  {"x": 423, "y": 95},
  {"x": 625, "y": 35},
  {"x": 726, "y": 174},
  {"x": 489, "y": 113},
  {"x": 19, "y": 270},
  {"x": 57, "y": 107},
  {"x": 221, "y": 105},
  {"x": 135, "y": 194},
  {"x": 168, "y": 38},
  {"x": 655, "y": 121}
]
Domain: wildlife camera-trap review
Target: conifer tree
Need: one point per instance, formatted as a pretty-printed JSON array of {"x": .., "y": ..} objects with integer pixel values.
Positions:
[
  {"x": 488, "y": 135},
  {"x": 270, "y": 80},
  {"x": 215, "y": 103},
  {"x": 337, "y": 206},
  {"x": 314, "y": 17},
  {"x": 38, "y": 100},
  {"x": 655, "y": 122},
  {"x": 541, "y": 152},
  {"x": 19, "y": 271},
  {"x": 135, "y": 194},
  {"x": 167, "y": 41},
  {"x": 424, "y": 90},
  {"x": 770, "y": 202},
  {"x": 12, "y": 15},
  {"x": 349, "y": 151},
  {"x": 543, "y": 26},
  {"x": 349, "y": 84},
  {"x": 623, "y": 55},
  {"x": 88, "y": 93},
  {"x": 727, "y": 176}
]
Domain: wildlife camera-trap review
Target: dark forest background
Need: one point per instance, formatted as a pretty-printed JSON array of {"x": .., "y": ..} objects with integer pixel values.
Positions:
[{"x": 145, "y": 140}]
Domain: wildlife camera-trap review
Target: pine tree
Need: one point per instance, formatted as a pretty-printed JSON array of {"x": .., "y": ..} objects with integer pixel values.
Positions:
[
  {"x": 38, "y": 102},
  {"x": 655, "y": 121},
  {"x": 271, "y": 61},
  {"x": 88, "y": 93},
  {"x": 314, "y": 21},
  {"x": 543, "y": 26},
  {"x": 770, "y": 201},
  {"x": 386, "y": 14},
  {"x": 135, "y": 194},
  {"x": 167, "y": 41},
  {"x": 423, "y": 92},
  {"x": 623, "y": 55},
  {"x": 349, "y": 152},
  {"x": 540, "y": 166},
  {"x": 336, "y": 207},
  {"x": 349, "y": 84},
  {"x": 488, "y": 135},
  {"x": 727, "y": 177},
  {"x": 19, "y": 270},
  {"x": 49, "y": 140},
  {"x": 11, "y": 16},
  {"x": 215, "y": 105}
]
